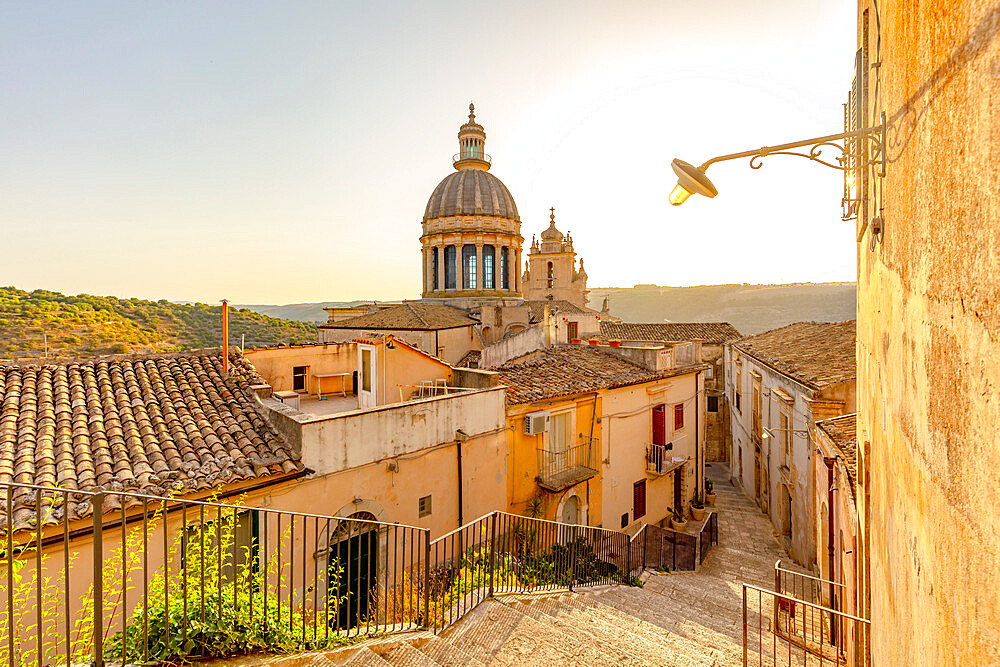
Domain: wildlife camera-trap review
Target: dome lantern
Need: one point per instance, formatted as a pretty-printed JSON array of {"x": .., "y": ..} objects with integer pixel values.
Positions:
[{"x": 471, "y": 145}]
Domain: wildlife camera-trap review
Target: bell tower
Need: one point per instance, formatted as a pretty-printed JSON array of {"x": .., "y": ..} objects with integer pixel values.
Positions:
[{"x": 551, "y": 272}]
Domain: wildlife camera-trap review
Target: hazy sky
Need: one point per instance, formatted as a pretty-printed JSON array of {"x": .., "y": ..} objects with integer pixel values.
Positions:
[{"x": 284, "y": 152}]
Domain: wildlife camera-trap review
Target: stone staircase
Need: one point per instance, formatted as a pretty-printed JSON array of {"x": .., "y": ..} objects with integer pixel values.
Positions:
[{"x": 685, "y": 618}]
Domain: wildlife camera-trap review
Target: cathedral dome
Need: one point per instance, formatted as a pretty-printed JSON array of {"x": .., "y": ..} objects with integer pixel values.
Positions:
[{"x": 471, "y": 192}]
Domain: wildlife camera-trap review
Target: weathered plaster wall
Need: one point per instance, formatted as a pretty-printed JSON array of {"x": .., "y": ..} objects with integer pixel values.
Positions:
[{"x": 929, "y": 338}]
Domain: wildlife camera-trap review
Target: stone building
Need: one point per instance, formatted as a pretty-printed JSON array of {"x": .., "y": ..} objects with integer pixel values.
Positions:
[
  {"x": 782, "y": 382},
  {"x": 929, "y": 331},
  {"x": 551, "y": 272},
  {"x": 711, "y": 336}
]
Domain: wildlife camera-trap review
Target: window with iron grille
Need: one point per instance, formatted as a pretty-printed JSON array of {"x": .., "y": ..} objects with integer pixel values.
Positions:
[
  {"x": 450, "y": 267},
  {"x": 713, "y": 404},
  {"x": 469, "y": 266},
  {"x": 424, "y": 506}
]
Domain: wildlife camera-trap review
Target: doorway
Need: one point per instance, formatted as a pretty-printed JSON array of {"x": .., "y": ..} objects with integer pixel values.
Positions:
[
  {"x": 352, "y": 567},
  {"x": 571, "y": 510},
  {"x": 367, "y": 376}
]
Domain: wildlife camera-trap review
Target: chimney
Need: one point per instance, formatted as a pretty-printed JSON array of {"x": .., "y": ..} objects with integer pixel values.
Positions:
[{"x": 225, "y": 336}]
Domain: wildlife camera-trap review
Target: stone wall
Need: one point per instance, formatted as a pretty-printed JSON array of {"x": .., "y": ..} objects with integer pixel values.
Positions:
[{"x": 929, "y": 336}]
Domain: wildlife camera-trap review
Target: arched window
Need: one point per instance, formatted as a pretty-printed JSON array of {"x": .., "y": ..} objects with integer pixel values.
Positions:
[
  {"x": 548, "y": 276},
  {"x": 450, "y": 273},
  {"x": 504, "y": 268},
  {"x": 469, "y": 266},
  {"x": 489, "y": 267},
  {"x": 434, "y": 269}
]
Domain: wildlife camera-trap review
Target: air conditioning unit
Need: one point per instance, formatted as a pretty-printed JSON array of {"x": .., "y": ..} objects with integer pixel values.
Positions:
[{"x": 536, "y": 423}]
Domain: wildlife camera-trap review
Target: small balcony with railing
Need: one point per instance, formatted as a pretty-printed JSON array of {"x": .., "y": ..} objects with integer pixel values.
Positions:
[
  {"x": 660, "y": 460},
  {"x": 561, "y": 469}
]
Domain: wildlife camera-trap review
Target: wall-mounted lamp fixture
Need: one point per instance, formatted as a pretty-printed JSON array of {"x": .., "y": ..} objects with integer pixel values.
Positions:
[{"x": 693, "y": 180}]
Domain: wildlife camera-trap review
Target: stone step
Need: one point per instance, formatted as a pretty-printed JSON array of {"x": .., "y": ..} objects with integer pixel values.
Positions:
[
  {"x": 364, "y": 656},
  {"x": 445, "y": 653},
  {"x": 405, "y": 654}
]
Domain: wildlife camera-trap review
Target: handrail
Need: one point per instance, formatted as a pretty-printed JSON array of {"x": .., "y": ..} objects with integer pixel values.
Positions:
[
  {"x": 483, "y": 157},
  {"x": 807, "y": 604},
  {"x": 778, "y": 568}
]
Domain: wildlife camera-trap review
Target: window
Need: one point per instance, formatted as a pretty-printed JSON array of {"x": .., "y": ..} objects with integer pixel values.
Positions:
[
  {"x": 710, "y": 372},
  {"x": 434, "y": 269},
  {"x": 659, "y": 425},
  {"x": 573, "y": 329},
  {"x": 559, "y": 432},
  {"x": 504, "y": 267},
  {"x": 489, "y": 267},
  {"x": 469, "y": 266},
  {"x": 713, "y": 404},
  {"x": 639, "y": 500},
  {"x": 450, "y": 273},
  {"x": 548, "y": 276},
  {"x": 424, "y": 506},
  {"x": 678, "y": 416},
  {"x": 625, "y": 520},
  {"x": 738, "y": 389},
  {"x": 299, "y": 374}
]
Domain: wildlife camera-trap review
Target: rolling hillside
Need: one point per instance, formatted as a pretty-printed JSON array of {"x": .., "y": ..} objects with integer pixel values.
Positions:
[{"x": 85, "y": 325}]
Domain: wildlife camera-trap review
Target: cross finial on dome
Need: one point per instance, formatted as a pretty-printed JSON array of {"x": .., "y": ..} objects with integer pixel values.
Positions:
[
  {"x": 552, "y": 215},
  {"x": 472, "y": 112}
]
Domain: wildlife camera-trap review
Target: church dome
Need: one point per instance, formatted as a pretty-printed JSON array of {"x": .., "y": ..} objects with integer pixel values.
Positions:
[
  {"x": 551, "y": 233},
  {"x": 471, "y": 192}
]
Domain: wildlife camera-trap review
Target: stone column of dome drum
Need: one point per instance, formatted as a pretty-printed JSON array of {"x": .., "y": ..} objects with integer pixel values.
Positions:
[
  {"x": 517, "y": 271},
  {"x": 427, "y": 260},
  {"x": 479, "y": 267}
]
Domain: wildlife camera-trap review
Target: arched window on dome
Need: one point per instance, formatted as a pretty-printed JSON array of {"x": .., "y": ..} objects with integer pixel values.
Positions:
[
  {"x": 548, "y": 276},
  {"x": 489, "y": 267},
  {"x": 450, "y": 273},
  {"x": 434, "y": 269},
  {"x": 468, "y": 266},
  {"x": 504, "y": 267}
]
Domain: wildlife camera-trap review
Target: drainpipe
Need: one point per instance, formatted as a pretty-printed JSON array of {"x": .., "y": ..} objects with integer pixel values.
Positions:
[
  {"x": 460, "y": 438},
  {"x": 699, "y": 475},
  {"x": 831, "y": 534}
]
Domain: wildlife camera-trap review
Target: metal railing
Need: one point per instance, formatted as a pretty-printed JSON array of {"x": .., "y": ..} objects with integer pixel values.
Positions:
[
  {"x": 807, "y": 587},
  {"x": 472, "y": 155},
  {"x": 659, "y": 460},
  {"x": 708, "y": 535},
  {"x": 560, "y": 469},
  {"x": 505, "y": 553},
  {"x": 117, "y": 576},
  {"x": 89, "y": 577},
  {"x": 781, "y": 629},
  {"x": 665, "y": 549}
]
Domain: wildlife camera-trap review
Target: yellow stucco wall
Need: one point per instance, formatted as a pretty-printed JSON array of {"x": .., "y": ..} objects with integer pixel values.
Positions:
[{"x": 929, "y": 337}]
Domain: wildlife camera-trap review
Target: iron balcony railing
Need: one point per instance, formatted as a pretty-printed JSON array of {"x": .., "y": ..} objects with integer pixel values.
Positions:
[
  {"x": 561, "y": 469},
  {"x": 472, "y": 155},
  {"x": 660, "y": 459},
  {"x": 89, "y": 577}
]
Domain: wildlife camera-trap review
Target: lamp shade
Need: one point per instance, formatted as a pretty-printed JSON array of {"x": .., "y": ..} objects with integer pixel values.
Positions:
[{"x": 691, "y": 180}]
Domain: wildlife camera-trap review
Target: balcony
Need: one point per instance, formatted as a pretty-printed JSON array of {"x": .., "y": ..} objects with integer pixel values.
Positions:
[
  {"x": 559, "y": 470},
  {"x": 659, "y": 460},
  {"x": 471, "y": 157}
]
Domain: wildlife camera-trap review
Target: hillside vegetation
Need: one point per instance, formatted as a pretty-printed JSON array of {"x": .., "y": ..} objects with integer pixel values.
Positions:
[
  {"x": 86, "y": 325},
  {"x": 749, "y": 308}
]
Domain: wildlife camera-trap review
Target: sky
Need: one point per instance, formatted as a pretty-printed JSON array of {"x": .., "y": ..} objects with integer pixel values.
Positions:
[{"x": 283, "y": 152}]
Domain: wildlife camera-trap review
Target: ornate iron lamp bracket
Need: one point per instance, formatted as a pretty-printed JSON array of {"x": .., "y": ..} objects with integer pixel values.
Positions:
[{"x": 849, "y": 144}]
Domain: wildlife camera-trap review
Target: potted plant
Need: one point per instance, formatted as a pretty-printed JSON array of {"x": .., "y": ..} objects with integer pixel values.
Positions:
[
  {"x": 594, "y": 341},
  {"x": 615, "y": 343},
  {"x": 697, "y": 508},
  {"x": 677, "y": 521},
  {"x": 709, "y": 493},
  {"x": 576, "y": 341}
]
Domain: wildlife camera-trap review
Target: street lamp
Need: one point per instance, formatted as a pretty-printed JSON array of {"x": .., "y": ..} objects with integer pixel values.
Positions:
[{"x": 853, "y": 156}]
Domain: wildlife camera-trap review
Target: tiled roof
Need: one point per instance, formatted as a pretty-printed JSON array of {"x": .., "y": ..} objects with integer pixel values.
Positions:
[
  {"x": 843, "y": 432},
  {"x": 412, "y": 316},
  {"x": 157, "y": 424},
  {"x": 569, "y": 369},
  {"x": 817, "y": 354},
  {"x": 709, "y": 332},
  {"x": 537, "y": 307},
  {"x": 472, "y": 356}
]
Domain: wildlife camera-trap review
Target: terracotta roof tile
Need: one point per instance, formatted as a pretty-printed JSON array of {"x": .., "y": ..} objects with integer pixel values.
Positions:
[
  {"x": 569, "y": 369},
  {"x": 817, "y": 354},
  {"x": 158, "y": 424},
  {"x": 409, "y": 316},
  {"x": 710, "y": 332}
]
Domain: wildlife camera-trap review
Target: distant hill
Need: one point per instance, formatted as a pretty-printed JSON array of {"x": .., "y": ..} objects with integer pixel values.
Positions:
[
  {"x": 305, "y": 312},
  {"x": 86, "y": 325},
  {"x": 749, "y": 308}
]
